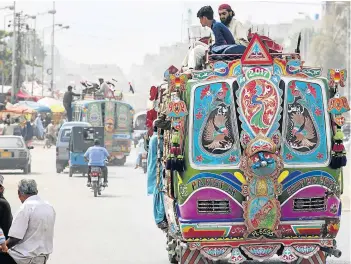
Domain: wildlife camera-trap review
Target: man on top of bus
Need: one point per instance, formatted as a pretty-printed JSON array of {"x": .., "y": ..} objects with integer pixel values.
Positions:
[
  {"x": 67, "y": 102},
  {"x": 239, "y": 32},
  {"x": 221, "y": 33}
]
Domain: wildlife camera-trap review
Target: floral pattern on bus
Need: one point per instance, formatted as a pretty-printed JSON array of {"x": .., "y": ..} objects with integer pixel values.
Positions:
[
  {"x": 215, "y": 139},
  {"x": 305, "y": 138}
]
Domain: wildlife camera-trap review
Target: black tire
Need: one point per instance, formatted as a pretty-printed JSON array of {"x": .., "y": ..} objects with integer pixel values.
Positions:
[
  {"x": 122, "y": 161},
  {"x": 95, "y": 189},
  {"x": 172, "y": 259},
  {"x": 145, "y": 169},
  {"x": 70, "y": 174},
  {"x": 30, "y": 168},
  {"x": 26, "y": 169}
]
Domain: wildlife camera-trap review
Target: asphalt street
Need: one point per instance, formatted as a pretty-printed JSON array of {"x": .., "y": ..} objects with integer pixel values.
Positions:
[{"x": 117, "y": 227}]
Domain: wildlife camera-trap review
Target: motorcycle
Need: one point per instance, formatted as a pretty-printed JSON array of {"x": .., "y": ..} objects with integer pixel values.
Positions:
[{"x": 97, "y": 180}]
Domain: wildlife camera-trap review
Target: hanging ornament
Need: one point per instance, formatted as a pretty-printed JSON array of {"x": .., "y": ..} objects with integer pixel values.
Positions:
[
  {"x": 338, "y": 154},
  {"x": 338, "y": 105},
  {"x": 337, "y": 77},
  {"x": 177, "y": 82},
  {"x": 339, "y": 120}
]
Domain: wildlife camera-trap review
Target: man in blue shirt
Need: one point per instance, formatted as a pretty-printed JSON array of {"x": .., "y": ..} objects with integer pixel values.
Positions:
[
  {"x": 222, "y": 34},
  {"x": 96, "y": 157}
]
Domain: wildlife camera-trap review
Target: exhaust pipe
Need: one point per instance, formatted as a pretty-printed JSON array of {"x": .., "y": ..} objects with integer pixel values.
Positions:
[{"x": 335, "y": 252}]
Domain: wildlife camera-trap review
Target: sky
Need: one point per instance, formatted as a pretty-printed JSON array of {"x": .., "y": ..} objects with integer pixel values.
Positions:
[{"x": 122, "y": 32}]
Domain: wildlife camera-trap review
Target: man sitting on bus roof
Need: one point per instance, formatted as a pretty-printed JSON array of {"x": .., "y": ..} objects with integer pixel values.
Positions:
[
  {"x": 221, "y": 33},
  {"x": 239, "y": 32},
  {"x": 196, "y": 55},
  {"x": 224, "y": 40}
]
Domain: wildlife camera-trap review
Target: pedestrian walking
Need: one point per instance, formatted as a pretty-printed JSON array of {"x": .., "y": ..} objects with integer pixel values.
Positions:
[{"x": 32, "y": 232}]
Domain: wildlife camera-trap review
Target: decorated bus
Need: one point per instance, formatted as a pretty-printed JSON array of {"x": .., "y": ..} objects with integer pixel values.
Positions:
[{"x": 251, "y": 162}]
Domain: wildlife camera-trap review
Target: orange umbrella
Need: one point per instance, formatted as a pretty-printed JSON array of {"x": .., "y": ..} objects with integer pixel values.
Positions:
[{"x": 19, "y": 109}]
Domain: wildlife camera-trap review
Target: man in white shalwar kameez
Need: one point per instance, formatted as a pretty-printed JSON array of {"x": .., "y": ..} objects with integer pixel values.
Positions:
[{"x": 226, "y": 14}]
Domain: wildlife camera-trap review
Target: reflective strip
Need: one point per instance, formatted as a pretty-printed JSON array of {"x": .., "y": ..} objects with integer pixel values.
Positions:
[
  {"x": 192, "y": 253},
  {"x": 319, "y": 258}
]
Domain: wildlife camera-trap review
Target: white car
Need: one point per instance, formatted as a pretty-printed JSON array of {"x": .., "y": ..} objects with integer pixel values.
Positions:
[{"x": 14, "y": 154}]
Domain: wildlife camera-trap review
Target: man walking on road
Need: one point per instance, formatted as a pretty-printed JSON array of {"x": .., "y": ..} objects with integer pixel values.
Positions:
[
  {"x": 5, "y": 210},
  {"x": 67, "y": 102},
  {"x": 32, "y": 232}
]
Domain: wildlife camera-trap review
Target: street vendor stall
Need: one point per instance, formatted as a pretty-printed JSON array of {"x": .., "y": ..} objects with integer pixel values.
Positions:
[
  {"x": 17, "y": 111},
  {"x": 56, "y": 107}
]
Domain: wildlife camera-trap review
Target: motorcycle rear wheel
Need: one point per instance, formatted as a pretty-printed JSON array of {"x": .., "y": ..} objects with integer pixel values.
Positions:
[{"x": 95, "y": 188}]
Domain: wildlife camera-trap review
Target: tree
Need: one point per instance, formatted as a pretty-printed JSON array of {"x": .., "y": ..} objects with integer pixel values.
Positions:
[
  {"x": 6, "y": 58},
  {"x": 329, "y": 48}
]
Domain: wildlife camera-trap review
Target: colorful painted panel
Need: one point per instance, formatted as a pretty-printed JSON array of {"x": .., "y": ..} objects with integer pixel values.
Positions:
[
  {"x": 310, "y": 202},
  {"x": 259, "y": 101},
  {"x": 192, "y": 208},
  {"x": 305, "y": 130},
  {"x": 94, "y": 114},
  {"x": 109, "y": 123},
  {"x": 122, "y": 116},
  {"x": 215, "y": 133}
]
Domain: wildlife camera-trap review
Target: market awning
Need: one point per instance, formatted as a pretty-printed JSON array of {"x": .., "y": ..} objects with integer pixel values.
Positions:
[
  {"x": 23, "y": 95},
  {"x": 56, "y": 106},
  {"x": 35, "y": 106},
  {"x": 18, "y": 109}
]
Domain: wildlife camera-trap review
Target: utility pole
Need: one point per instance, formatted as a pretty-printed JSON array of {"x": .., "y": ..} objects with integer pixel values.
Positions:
[
  {"x": 19, "y": 48},
  {"x": 52, "y": 49},
  {"x": 13, "y": 53},
  {"x": 4, "y": 49},
  {"x": 33, "y": 50}
]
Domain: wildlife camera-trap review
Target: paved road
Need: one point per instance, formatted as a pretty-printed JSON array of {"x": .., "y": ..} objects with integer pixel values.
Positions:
[{"x": 115, "y": 228}]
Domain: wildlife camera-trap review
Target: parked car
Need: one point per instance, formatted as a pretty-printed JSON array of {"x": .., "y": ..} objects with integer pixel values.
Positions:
[
  {"x": 14, "y": 154},
  {"x": 62, "y": 144}
]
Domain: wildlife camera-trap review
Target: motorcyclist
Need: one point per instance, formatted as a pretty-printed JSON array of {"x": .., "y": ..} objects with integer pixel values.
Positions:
[{"x": 96, "y": 157}]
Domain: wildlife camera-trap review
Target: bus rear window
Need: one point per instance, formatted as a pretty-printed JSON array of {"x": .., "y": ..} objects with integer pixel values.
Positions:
[
  {"x": 306, "y": 132},
  {"x": 214, "y": 134}
]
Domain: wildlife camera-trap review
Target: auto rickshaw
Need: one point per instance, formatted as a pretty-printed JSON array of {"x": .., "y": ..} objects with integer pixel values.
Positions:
[
  {"x": 81, "y": 139},
  {"x": 251, "y": 166}
]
